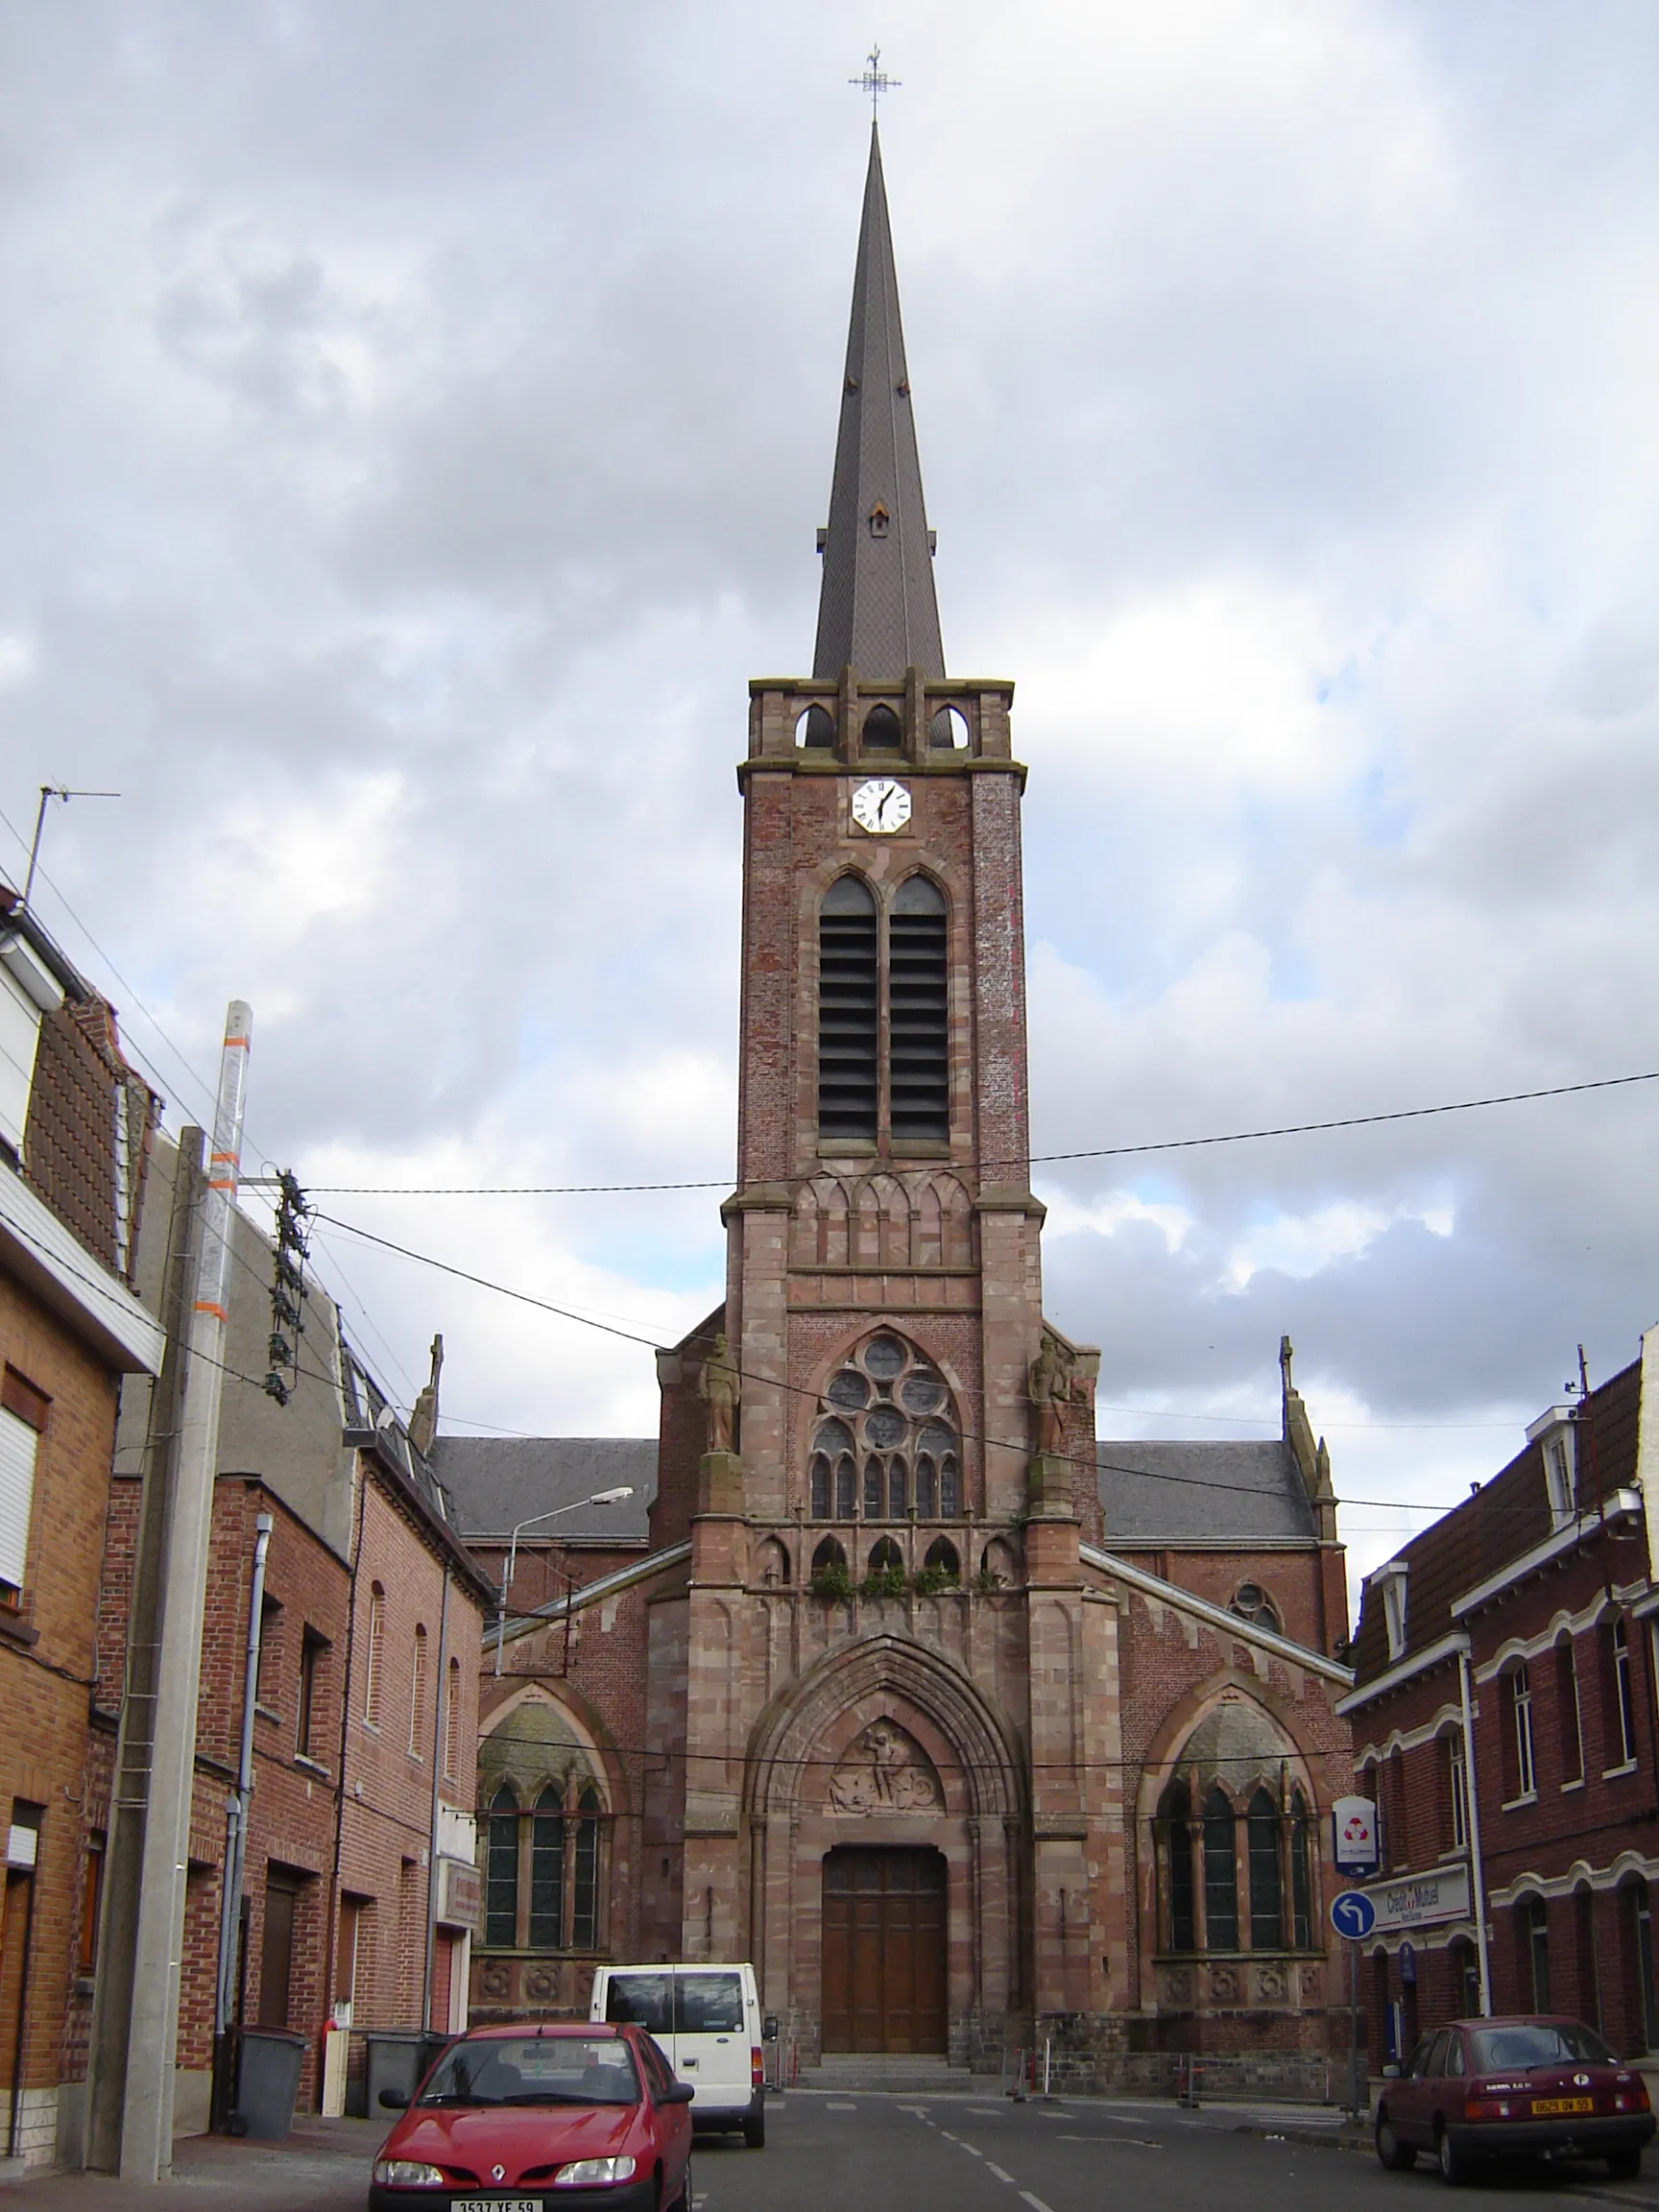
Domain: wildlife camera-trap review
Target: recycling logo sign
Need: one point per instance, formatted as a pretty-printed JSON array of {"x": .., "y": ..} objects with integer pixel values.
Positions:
[{"x": 1353, "y": 1827}]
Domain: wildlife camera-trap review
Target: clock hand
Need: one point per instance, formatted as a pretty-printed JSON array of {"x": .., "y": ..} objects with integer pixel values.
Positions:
[{"x": 881, "y": 806}]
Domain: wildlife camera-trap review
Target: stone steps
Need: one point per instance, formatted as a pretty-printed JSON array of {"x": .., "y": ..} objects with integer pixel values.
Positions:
[{"x": 900, "y": 2073}]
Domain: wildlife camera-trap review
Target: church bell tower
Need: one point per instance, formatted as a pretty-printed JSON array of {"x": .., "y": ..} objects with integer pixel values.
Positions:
[{"x": 877, "y": 1498}]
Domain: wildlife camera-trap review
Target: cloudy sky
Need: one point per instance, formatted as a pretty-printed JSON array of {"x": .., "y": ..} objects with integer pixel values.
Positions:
[{"x": 417, "y": 419}]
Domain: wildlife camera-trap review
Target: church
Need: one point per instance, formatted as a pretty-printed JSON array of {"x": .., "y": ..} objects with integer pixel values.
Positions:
[{"x": 969, "y": 1730}]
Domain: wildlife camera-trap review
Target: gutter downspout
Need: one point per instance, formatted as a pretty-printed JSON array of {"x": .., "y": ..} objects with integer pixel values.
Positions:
[
  {"x": 236, "y": 1822},
  {"x": 1477, "y": 1867},
  {"x": 437, "y": 1717}
]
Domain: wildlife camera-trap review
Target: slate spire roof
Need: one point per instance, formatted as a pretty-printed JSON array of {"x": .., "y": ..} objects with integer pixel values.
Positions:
[{"x": 876, "y": 610}]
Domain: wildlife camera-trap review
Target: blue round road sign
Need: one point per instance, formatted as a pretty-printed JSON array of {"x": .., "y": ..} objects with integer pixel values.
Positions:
[{"x": 1352, "y": 1914}]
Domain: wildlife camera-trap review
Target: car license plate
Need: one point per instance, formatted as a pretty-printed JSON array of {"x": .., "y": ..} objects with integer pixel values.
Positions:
[
  {"x": 495, "y": 2204},
  {"x": 1544, "y": 2107}
]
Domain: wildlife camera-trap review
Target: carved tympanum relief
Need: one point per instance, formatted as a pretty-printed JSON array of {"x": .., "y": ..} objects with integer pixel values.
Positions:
[{"x": 885, "y": 1771}]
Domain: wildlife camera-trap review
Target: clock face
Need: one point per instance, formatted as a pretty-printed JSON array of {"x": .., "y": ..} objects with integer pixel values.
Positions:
[{"x": 880, "y": 805}]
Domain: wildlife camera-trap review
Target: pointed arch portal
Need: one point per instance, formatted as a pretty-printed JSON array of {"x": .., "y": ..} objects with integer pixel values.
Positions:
[{"x": 884, "y": 1806}]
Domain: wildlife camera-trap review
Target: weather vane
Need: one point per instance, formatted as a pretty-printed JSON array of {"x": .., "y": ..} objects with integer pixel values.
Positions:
[{"x": 875, "y": 81}]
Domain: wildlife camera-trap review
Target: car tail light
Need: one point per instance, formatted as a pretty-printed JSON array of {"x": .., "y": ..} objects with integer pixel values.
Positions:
[
  {"x": 756, "y": 2067},
  {"x": 1491, "y": 2109},
  {"x": 1635, "y": 2100}
]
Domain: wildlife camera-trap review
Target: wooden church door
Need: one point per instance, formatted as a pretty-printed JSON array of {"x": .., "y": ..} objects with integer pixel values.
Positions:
[{"x": 885, "y": 1950}]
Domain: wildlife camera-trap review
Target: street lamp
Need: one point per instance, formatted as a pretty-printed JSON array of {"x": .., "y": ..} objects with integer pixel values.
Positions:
[{"x": 599, "y": 1498}]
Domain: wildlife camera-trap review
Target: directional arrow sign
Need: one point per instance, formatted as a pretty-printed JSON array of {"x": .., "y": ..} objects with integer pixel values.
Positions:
[{"x": 1352, "y": 1914}]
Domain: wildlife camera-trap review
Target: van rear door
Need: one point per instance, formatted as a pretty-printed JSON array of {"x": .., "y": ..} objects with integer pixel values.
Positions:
[
  {"x": 645, "y": 1998},
  {"x": 711, "y": 2047}
]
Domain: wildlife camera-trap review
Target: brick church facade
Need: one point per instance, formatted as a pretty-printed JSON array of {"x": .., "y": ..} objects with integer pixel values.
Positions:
[{"x": 965, "y": 1727}]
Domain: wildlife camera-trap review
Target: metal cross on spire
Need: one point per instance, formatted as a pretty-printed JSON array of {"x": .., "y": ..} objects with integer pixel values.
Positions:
[{"x": 875, "y": 81}]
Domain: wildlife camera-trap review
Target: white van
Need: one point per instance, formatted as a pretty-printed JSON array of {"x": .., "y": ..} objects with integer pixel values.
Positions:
[{"x": 707, "y": 2021}]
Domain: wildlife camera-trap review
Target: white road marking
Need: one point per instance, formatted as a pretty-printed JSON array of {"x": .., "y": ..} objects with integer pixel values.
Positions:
[
  {"x": 972, "y": 2153},
  {"x": 949, "y": 2137},
  {"x": 840, "y": 2107},
  {"x": 998, "y": 2170},
  {"x": 1036, "y": 2203},
  {"x": 983, "y": 2111}
]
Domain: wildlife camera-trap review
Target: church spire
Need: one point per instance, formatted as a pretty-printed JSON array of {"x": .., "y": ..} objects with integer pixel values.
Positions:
[{"x": 876, "y": 610}]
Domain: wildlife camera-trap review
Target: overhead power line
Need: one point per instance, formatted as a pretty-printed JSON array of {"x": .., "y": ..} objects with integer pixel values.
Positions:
[{"x": 1031, "y": 1158}]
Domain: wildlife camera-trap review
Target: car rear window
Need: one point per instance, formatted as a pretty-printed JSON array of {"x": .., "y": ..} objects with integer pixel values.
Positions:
[
  {"x": 535, "y": 2070},
  {"x": 1536, "y": 2043},
  {"x": 647, "y": 2000},
  {"x": 709, "y": 2004}
]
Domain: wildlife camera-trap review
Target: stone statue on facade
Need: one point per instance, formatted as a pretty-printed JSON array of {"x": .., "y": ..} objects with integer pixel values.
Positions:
[
  {"x": 1050, "y": 1388},
  {"x": 720, "y": 1387},
  {"x": 885, "y": 1771}
]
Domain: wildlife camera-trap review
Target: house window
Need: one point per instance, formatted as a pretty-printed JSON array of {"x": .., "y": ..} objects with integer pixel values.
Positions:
[
  {"x": 1466, "y": 1978},
  {"x": 1536, "y": 1914},
  {"x": 418, "y": 1695},
  {"x": 452, "y": 1723},
  {"x": 890, "y": 1408},
  {"x": 1301, "y": 1874},
  {"x": 312, "y": 1648},
  {"x": 1570, "y": 1719},
  {"x": 1641, "y": 1957},
  {"x": 502, "y": 1870},
  {"x": 1621, "y": 1730},
  {"x": 1521, "y": 1715},
  {"x": 1267, "y": 1914},
  {"x": 1220, "y": 1874},
  {"x": 883, "y": 974},
  {"x": 1458, "y": 1779},
  {"x": 1559, "y": 1479},
  {"x": 376, "y": 1664},
  {"x": 266, "y": 1692},
  {"x": 22, "y": 1424},
  {"x": 1392, "y": 1580},
  {"x": 91, "y": 1896}
]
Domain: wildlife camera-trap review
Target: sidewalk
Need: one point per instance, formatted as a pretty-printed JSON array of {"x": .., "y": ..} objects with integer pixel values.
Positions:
[{"x": 323, "y": 2166}]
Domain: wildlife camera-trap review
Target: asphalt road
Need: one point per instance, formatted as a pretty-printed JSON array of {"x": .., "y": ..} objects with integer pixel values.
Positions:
[
  {"x": 865, "y": 2152},
  {"x": 877, "y": 2153}
]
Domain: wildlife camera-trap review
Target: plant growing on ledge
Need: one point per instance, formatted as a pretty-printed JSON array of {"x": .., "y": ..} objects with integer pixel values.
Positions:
[
  {"x": 830, "y": 1583},
  {"x": 988, "y": 1580},
  {"x": 884, "y": 1581},
  {"x": 932, "y": 1581}
]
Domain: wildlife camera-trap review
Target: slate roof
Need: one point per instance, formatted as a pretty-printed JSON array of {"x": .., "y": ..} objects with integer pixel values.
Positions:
[
  {"x": 1504, "y": 1518},
  {"x": 494, "y": 1482},
  {"x": 1200, "y": 1494},
  {"x": 877, "y": 607}
]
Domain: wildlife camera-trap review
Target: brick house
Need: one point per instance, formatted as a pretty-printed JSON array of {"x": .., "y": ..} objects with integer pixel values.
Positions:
[
  {"x": 358, "y": 1857},
  {"x": 75, "y": 1136},
  {"x": 1535, "y": 1598},
  {"x": 895, "y": 1627}
]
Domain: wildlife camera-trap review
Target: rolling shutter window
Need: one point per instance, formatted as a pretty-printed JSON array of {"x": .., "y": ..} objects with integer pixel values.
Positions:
[{"x": 19, "y": 1452}]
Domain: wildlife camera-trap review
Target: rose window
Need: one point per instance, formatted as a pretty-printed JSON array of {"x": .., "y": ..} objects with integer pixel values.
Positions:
[{"x": 886, "y": 1443}]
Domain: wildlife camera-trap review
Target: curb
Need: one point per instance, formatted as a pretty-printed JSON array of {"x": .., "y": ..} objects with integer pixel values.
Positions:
[{"x": 1349, "y": 2139}]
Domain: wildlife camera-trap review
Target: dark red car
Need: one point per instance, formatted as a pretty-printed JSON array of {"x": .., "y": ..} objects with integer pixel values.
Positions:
[
  {"x": 1496, "y": 2088},
  {"x": 551, "y": 2118}
]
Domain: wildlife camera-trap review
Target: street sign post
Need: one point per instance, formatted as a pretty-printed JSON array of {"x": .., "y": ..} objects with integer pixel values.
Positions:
[{"x": 1354, "y": 1916}]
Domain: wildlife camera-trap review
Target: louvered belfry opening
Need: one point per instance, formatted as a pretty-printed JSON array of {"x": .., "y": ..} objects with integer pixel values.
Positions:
[
  {"x": 919, "y": 1015},
  {"x": 846, "y": 1011}
]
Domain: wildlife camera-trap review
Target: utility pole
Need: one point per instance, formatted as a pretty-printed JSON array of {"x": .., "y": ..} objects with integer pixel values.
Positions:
[{"x": 135, "y": 2010}]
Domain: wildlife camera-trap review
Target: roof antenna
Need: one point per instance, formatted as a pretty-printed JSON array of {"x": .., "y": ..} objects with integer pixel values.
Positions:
[
  {"x": 51, "y": 791},
  {"x": 875, "y": 81}
]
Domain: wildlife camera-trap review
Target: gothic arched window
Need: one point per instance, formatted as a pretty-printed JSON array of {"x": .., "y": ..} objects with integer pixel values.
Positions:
[
  {"x": 1174, "y": 1851},
  {"x": 891, "y": 1406},
  {"x": 1301, "y": 1876},
  {"x": 943, "y": 1558},
  {"x": 919, "y": 1015},
  {"x": 585, "y": 1921},
  {"x": 847, "y": 1011},
  {"x": 502, "y": 1870},
  {"x": 1266, "y": 1909},
  {"x": 883, "y": 974},
  {"x": 1220, "y": 1873},
  {"x": 547, "y": 1872}
]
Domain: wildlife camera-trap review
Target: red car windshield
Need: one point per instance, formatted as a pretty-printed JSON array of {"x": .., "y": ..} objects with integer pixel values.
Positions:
[
  {"x": 1536, "y": 2043},
  {"x": 535, "y": 2070}
]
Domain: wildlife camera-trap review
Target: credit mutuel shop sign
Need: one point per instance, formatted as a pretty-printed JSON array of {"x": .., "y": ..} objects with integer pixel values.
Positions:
[{"x": 1420, "y": 1900}]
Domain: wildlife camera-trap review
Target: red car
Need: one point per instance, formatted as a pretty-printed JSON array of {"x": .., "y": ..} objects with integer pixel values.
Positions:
[
  {"x": 1494, "y": 2089},
  {"x": 551, "y": 2118}
]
